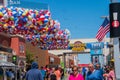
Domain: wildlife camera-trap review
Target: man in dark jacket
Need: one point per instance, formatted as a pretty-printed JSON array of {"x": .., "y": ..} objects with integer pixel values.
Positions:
[{"x": 34, "y": 73}]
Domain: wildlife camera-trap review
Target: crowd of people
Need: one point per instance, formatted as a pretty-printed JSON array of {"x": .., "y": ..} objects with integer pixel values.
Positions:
[
  {"x": 91, "y": 72},
  {"x": 44, "y": 73}
]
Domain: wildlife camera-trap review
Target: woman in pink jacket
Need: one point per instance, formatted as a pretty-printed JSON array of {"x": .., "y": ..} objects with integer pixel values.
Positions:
[{"x": 75, "y": 75}]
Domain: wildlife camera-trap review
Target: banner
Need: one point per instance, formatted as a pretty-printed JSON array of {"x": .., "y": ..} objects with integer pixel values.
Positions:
[
  {"x": 78, "y": 46},
  {"x": 114, "y": 20},
  {"x": 95, "y": 45},
  {"x": 12, "y": 2},
  {"x": 96, "y": 52}
]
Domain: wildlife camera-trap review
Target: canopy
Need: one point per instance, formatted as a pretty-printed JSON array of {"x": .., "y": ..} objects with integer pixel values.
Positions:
[{"x": 7, "y": 64}]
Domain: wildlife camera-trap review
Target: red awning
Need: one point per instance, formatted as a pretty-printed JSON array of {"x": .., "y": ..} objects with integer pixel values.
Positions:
[{"x": 83, "y": 65}]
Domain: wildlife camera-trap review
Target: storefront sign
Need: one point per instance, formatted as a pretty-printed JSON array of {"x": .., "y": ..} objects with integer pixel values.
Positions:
[
  {"x": 95, "y": 45},
  {"x": 3, "y": 58},
  {"x": 96, "y": 51},
  {"x": 52, "y": 59},
  {"x": 114, "y": 20},
  {"x": 12, "y": 2},
  {"x": 78, "y": 46}
]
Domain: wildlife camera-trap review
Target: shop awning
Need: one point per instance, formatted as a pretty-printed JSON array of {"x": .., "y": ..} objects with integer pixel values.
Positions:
[{"x": 7, "y": 64}]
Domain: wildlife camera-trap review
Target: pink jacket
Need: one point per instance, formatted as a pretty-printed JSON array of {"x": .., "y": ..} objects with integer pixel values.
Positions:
[{"x": 78, "y": 77}]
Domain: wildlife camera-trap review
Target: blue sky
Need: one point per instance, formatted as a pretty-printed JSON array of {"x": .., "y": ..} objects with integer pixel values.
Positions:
[{"x": 81, "y": 17}]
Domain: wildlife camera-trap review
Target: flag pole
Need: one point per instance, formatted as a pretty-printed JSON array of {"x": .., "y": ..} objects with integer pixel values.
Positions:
[{"x": 104, "y": 49}]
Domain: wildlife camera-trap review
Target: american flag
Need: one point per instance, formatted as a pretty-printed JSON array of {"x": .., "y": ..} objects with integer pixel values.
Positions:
[{"x": 103, "y": 30}]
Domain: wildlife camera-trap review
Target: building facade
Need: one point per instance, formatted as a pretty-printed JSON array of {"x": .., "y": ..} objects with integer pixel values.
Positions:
[
  {"x": 83, "y": 50},
  {"x": 19, "y": 47},
  {"x": 42, "y": 56}
]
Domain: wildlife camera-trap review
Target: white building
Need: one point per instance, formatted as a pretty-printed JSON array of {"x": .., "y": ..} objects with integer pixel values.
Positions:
[
  {"x": 72, "y": 41},
  {"x": 59, "y": 52}
]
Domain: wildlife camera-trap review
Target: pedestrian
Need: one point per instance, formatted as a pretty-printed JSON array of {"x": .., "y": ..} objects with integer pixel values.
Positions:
[
  {"x": 34, "y": 73},
  {"x": 47, "y": 69},
  {"x": 43, "y": 72},
  {"x": 52, "y": 74},
  {"x": 75, "y": 75},
  {"x": 111, "y": 74},
  {"x": 84, "y": 70},
  {"x": 98, "y": 67},
  {"x": 80, "y": 69},
  {"x": 62, "y": 73},
  {"x": 93, "y": 74},
  {"x": 57, "y": 73}
]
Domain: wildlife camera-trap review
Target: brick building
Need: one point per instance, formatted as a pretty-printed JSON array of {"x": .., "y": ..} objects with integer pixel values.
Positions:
[
  {"x": 18, "y": 45},
  {"x": 42, "y": 56},
  {"x": 5, "y": 50}
]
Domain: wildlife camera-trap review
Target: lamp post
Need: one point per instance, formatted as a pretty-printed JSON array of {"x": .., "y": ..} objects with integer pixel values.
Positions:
[
  {"x": 104, "y": 49},
  {"x": 114, "y": 8}
]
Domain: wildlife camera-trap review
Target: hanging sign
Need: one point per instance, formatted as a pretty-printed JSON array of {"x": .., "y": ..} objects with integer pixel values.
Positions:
[
  {"x": 96, "y": 51},
  {"x": 114, "y": 20},
  {"x": 78, "y": 46},
  {"x": 95, "y": 45}
]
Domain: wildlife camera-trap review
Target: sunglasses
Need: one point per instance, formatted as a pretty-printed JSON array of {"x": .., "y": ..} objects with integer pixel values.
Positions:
[
  {"x": 89, "y": 66},
  {"x": 74, "y": 70}
]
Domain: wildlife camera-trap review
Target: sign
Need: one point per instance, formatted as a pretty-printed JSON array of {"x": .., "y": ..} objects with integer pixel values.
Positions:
[
  {"x": 96, "y": 51},
  {"x": 78, "y": 46},
  {"x": 52, "y": 59},
  {"x": 12, "y": 2},
  {"x": 114, "y": 20},
  {"x": 95, "y": 45},
  {"x": 21, "y": 63},
  {"x": 28, "y": 4},
  {"x": 3, "y": 58}
]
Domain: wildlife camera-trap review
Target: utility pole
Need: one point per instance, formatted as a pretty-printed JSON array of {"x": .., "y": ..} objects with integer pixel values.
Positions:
[{"x": 113, "y": 34}]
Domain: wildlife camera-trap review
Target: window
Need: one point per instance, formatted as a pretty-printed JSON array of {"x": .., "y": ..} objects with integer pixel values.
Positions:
[{"x": 22, "y": 49}]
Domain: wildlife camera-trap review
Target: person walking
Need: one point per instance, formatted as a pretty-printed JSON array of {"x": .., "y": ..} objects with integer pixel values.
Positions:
[
  {"x": 57, "y": 73},
  {"x": 93, "y": 74},
  {"x": 52, "y": 74},
  {"x": 43, "y": 72},
  {"x": 34, "y": 73},
  {"x": 75, "y": 75},
  {"x": 111, "y": 74}
]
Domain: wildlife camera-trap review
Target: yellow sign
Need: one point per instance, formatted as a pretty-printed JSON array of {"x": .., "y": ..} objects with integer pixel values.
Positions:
[{"x": 78, "y": 46}]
